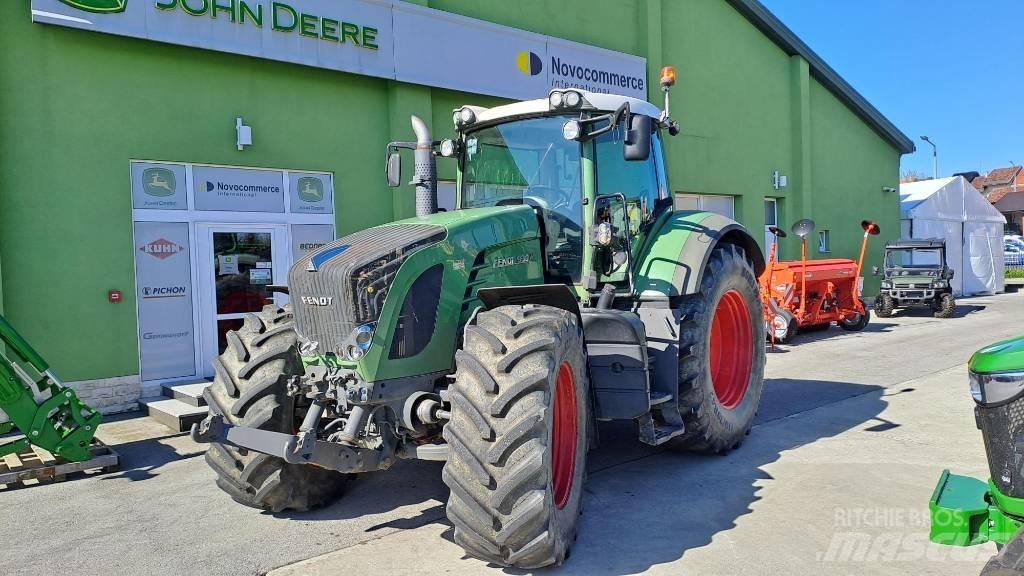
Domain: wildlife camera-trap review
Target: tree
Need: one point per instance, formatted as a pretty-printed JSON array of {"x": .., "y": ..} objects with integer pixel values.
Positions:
[{"x": 910, "y": 175}]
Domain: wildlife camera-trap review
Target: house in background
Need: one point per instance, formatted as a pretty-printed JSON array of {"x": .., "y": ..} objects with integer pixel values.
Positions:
[{"x": 1004, "y": 189}]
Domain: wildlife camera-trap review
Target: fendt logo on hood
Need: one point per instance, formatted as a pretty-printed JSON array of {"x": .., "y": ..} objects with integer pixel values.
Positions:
[
  {"x": 98, "y": 6},
  {"x": 162, "y": 249},
  {"x": 529, "y": 63}
]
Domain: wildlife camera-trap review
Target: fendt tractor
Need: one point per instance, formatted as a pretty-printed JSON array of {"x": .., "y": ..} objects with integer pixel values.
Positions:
[{"x": 564, "y": 290}]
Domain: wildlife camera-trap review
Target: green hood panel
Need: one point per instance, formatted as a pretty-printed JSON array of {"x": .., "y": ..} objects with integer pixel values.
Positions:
[{"x": 1005, "y": 356}]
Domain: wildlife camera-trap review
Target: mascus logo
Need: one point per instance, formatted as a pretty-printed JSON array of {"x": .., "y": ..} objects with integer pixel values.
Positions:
[
  {"x": 529, "y": 63},
  {"x": 98, "y": 6},
  {"x": 162, "y": 249}
]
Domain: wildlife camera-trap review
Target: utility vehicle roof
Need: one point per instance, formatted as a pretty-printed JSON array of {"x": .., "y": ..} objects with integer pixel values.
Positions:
[
  {"x": 923, "y": 243},
  {"x": 591, "y": 101}
]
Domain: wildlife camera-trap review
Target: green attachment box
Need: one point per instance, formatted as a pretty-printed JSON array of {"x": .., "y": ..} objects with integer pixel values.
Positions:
[
  {"x": 966, "y": 511},
  {"x": 49, "y": 414}
]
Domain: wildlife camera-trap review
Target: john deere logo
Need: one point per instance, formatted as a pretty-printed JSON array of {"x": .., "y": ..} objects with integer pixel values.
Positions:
[
  {"x": 158, "y": 182},
  {"x": 310, "y": 189},
  {"x": 98, "y": 6},
  {"x": 529, "y": 63}
]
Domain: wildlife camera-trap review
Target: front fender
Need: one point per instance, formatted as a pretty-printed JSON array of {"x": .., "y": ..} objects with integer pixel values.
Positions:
[{"x": 673, "y": 261}]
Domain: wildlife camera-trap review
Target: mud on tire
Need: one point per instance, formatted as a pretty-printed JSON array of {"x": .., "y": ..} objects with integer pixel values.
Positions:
[
  {"x": 249, "y": 390},
  {"x": 513, "y": 500},
  {"x": 712, "y": 425}
]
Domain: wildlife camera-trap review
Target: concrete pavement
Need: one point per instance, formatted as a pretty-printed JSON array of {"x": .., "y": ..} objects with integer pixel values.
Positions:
[{"x": 852, "y": 435}]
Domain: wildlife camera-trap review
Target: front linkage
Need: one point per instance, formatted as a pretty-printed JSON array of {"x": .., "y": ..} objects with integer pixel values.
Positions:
[{"x": 59, "y": 422}]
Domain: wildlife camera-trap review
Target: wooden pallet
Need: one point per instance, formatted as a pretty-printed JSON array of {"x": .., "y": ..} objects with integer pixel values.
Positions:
[{"x": 35, "y": 463}]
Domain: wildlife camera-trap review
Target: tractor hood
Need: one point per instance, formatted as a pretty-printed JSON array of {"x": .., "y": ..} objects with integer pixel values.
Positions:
[
  {"x": 1005, "y": 356},
  {"x": 388, "y": 300}
]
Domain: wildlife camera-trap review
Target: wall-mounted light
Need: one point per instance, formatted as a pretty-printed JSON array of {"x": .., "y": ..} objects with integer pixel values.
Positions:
[
  {"x": 244, "y": 134},
  {"x": 779, "y": 180},
  {"x": 888, "y": 189}
]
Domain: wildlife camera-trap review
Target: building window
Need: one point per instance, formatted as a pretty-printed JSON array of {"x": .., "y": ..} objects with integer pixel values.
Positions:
[
  {"x": 724, "y": 205},
  {"x": 823, "y": 245}
]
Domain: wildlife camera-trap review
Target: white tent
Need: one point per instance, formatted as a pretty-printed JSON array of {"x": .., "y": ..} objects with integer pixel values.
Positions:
[{"x": 951, "y": 209}]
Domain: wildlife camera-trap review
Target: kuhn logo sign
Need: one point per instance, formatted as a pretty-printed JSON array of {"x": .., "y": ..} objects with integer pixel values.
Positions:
[
  {"x": 161, "y": 249},
  {"x": 98, "y": 6}
]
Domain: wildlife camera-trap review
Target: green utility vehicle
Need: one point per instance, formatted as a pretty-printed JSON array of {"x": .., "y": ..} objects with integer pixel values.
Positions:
[
  {"x": 967, "y": 511},
  {"x": 562, "y": 291},
  {"x": 916, "y": 273}
]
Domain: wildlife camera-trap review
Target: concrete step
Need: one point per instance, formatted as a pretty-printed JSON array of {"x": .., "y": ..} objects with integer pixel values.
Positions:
[
  {"x": 191, "y": 393},
  {"x": 174, "y": 414}
]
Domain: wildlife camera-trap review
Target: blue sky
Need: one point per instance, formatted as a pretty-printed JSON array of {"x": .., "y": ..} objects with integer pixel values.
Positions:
[{"x": 949, "y": 69}]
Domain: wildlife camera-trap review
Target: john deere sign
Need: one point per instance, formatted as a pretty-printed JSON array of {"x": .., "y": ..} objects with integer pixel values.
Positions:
[
  {"x": 382, "y": 38},
  {"x": 98, "y": 6}
]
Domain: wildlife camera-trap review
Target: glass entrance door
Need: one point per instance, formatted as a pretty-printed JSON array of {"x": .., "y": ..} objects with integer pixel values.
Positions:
[{"x": 237, "y": 263}]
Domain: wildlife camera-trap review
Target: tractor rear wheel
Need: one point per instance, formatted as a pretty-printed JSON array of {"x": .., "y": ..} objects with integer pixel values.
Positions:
[
  {"x": 520, "y": 412},
  {"x": 248, "y": 389},
  {"x": 721, "y": 365},
  {"x": 858, "y": 322},
  {"x": 945, "y": 306},
  {"x": 884, "y": 306}
]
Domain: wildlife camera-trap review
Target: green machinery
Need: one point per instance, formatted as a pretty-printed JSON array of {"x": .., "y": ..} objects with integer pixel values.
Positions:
[
  {"x": 37, "y": 403},
  {"x": 564, "y": 289},
  {"x": 966, "y": 511}
]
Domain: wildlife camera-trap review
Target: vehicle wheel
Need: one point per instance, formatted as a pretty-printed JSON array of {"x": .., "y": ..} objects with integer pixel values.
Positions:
[
  {"x": 785, "y": 327},
  {"x": 520, "y": 410},
  {"x": 248, "y": 389},
  {"x": 884, "y": 306},
  {"x": 858, "y": 322},
  {"x": 721, "y": 365},
  {"x": 1009, "y": 561},
  {"x": 946, "y": 306}
]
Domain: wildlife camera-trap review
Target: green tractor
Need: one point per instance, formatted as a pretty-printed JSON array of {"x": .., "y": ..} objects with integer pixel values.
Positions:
[
  {"x": 966, "y": 511},
  {"x": 564, "y": 290},
  {"x": 916, "y": 273}
]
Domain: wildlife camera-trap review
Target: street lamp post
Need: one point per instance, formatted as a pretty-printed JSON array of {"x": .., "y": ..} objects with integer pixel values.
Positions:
[{"x": 935, "y": 157}]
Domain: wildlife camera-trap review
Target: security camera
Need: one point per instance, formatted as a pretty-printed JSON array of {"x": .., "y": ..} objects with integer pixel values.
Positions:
[{"x": 888, "y": 189}]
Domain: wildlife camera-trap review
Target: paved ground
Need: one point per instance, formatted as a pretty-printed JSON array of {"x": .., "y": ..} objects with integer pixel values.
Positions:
[{"x": 853, "y": 432}]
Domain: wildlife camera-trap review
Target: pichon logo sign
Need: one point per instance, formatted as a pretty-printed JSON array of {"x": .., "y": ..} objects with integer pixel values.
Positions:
[
  {"x": 162, "y": 249},
  {"x": 149, "y": 292}
]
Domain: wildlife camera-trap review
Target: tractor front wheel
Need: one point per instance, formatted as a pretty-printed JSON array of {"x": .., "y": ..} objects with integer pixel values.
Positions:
[
  {"x": 249, "y": 390},
  {"x": 520, "y": 409},
  {"x": 721, "y": 365}
]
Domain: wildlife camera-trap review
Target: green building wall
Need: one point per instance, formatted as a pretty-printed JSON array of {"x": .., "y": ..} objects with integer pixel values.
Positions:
[{"x": 76, "y": 107}]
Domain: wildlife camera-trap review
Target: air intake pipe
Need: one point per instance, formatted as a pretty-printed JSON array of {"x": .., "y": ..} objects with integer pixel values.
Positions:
[{"x": 424, "y": 169}]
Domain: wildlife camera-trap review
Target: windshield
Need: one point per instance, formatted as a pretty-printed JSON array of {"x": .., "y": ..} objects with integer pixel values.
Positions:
[
  {"x": 529, "y": 162},
  {"x": 913, "y": 258}
]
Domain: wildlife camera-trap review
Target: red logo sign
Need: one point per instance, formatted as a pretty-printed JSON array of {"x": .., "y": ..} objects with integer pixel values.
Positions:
[{"x": 162, "y": 249}]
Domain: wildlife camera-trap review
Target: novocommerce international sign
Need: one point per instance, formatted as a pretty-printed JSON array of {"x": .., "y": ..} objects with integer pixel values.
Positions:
[{"x": 381, "y": 38}]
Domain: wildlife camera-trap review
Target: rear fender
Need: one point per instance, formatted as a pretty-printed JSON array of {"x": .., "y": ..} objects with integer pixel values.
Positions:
[{"x": 673, "y": 262}]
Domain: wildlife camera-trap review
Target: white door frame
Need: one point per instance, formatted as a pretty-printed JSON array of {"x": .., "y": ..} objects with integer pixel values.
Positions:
[{"x": 206, "y": 281}]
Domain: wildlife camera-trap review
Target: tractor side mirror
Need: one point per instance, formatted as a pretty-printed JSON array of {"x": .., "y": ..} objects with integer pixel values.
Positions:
[
  {"x": 394, "y": 169},
  {"x": 637, "y": 146},
  {"x": 949, "y": 273},
  {"x": 874, "y": 271}
]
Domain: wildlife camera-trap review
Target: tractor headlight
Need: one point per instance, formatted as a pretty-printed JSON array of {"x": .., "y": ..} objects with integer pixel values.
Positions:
[
  {"x": 464, "y": 116},
  {"x": 571, "y": 130},
  {"x": 555, "y": 99},
  {"x": 448, "y": 147},
  {"x": 564, "y": 99},
  {"x": 359, "y": 342},
  {"x": 996, "y": 388}
]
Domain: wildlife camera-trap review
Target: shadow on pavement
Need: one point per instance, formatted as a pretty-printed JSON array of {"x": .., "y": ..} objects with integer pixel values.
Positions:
[{"x": 926, "y": 312}]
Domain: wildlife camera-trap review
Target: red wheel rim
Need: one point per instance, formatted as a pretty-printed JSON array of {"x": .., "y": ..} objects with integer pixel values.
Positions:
[
  {"x": 732, "y": 347},
  {"x": 563, "y": 436}
]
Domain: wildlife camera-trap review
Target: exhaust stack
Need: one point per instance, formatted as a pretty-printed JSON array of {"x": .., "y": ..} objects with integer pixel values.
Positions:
[{"x": 424, "y": 169}]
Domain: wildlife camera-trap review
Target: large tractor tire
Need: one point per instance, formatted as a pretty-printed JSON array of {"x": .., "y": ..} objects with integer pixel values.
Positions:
[
  {"x": 945, "y": 306},
  {"x": 884, "y": 306},
  {"x": 858, "y": 322},
  {"x": 249, "y": 390},
  {"x": 721, "y": 365},
  {"x": 518, "y": 436}
]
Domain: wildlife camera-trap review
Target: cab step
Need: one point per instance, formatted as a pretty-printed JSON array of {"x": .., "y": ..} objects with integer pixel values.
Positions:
[
  {"x": 658, "y": 398},
  {"x": 657, "y": 434}
]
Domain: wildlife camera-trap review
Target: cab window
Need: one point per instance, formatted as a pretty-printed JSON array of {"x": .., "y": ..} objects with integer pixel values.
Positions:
[{"x": 637, "y": 180}]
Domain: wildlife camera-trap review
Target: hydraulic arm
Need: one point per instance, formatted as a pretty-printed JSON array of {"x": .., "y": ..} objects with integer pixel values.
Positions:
[{"x": 38, "y": 405}]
